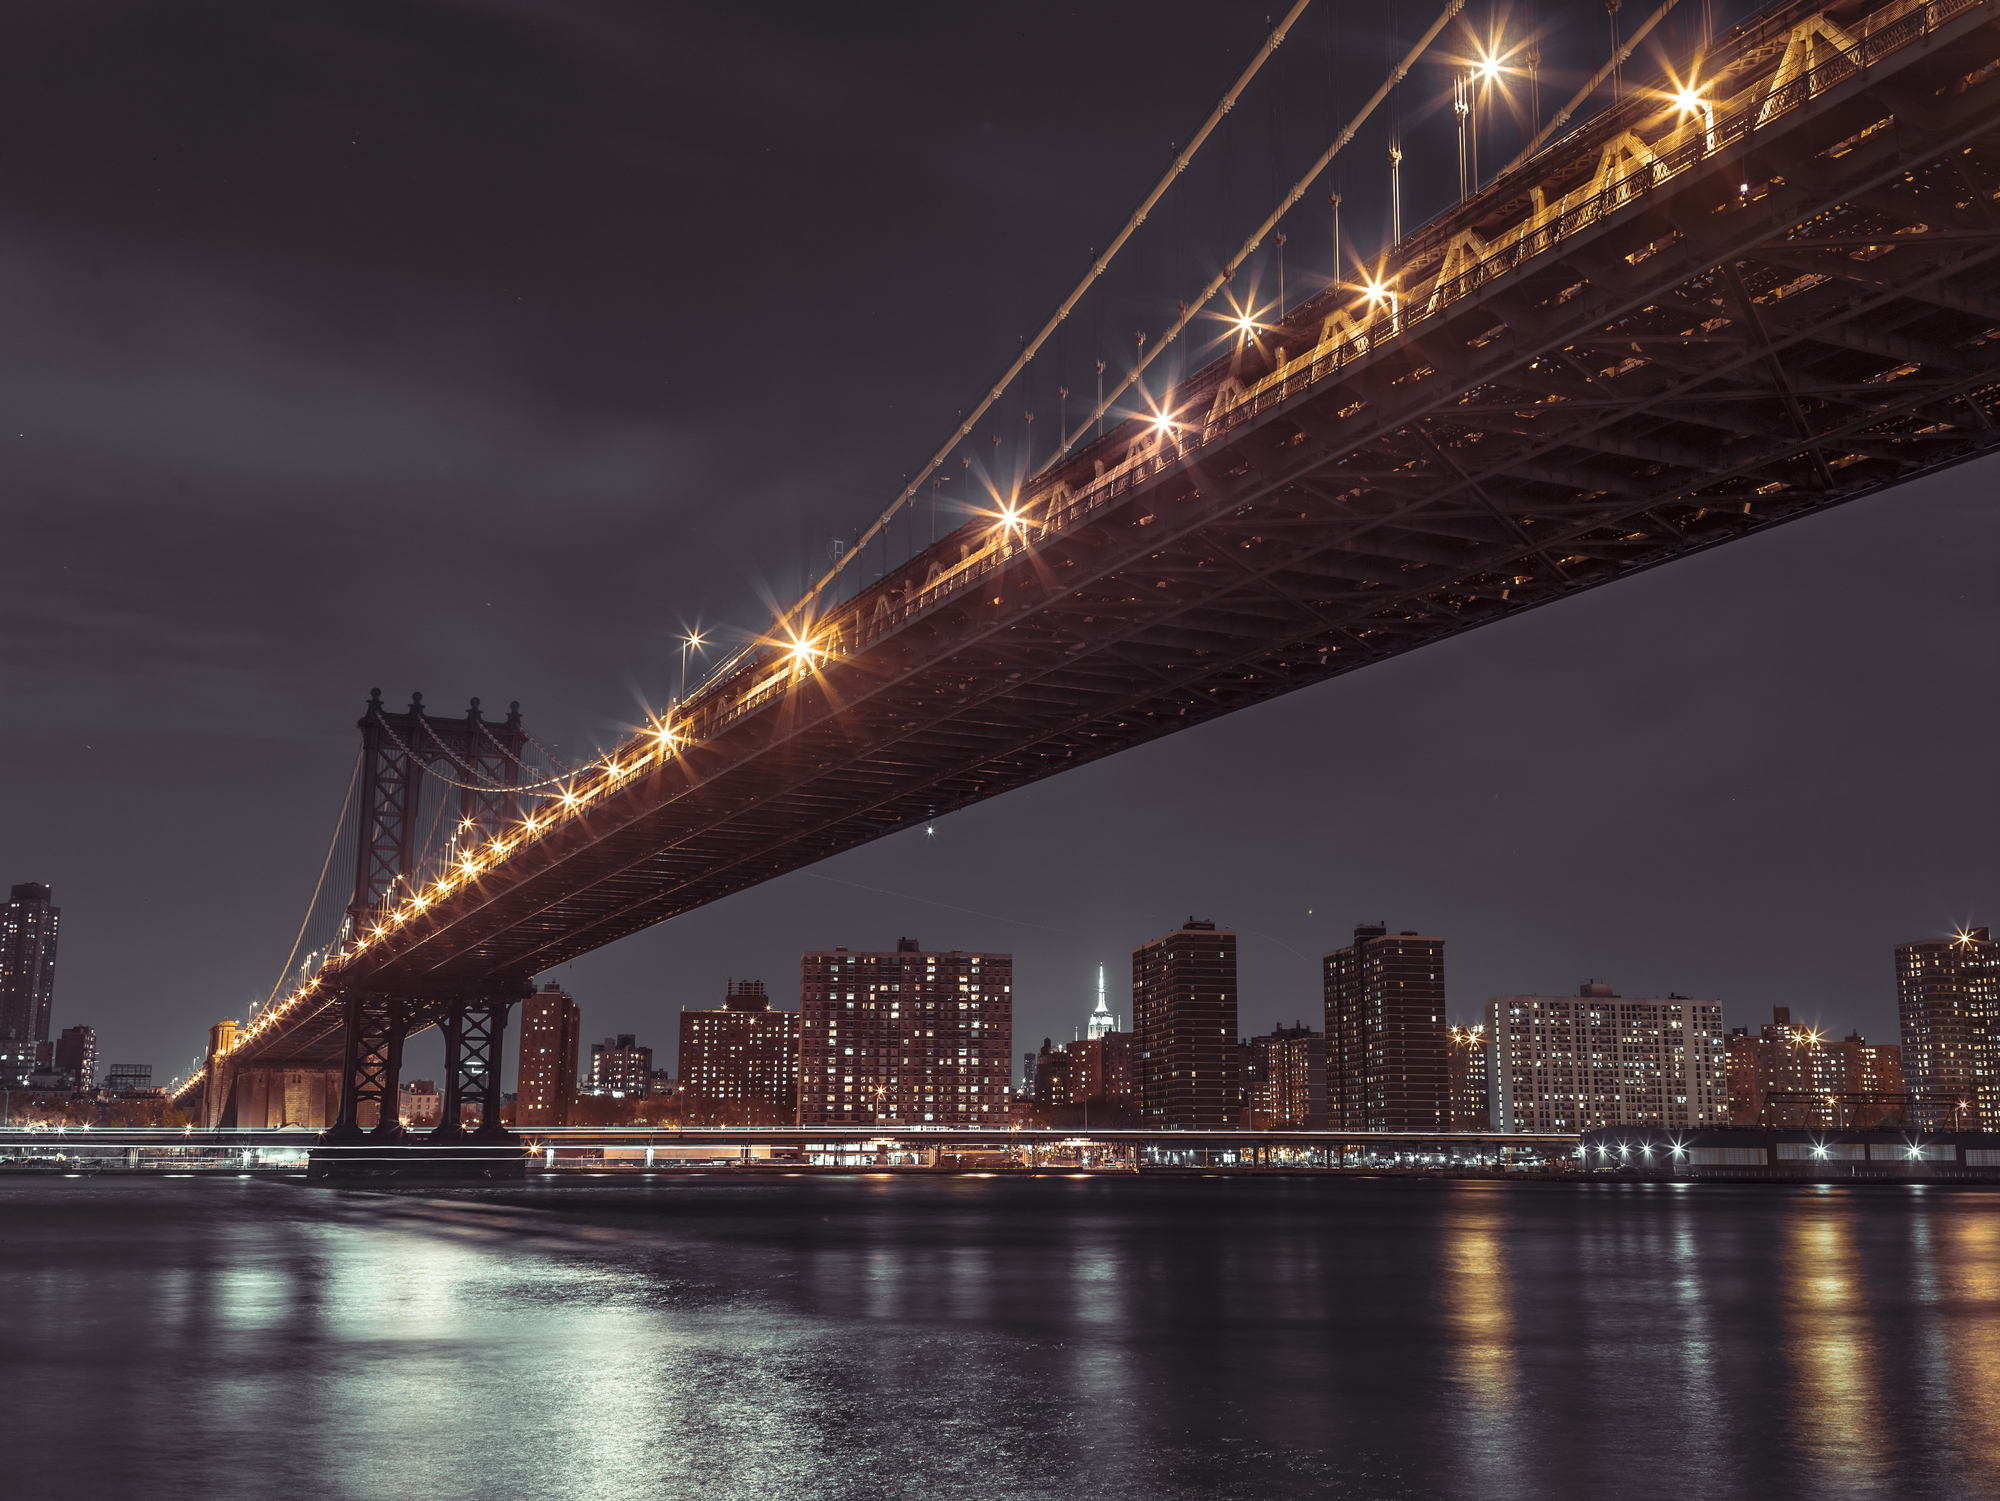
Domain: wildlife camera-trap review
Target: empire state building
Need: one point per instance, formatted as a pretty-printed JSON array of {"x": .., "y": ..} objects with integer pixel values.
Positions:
[{"x": 1101, "y": 1020}]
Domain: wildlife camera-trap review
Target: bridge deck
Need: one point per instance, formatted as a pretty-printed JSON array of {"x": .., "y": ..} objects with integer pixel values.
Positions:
[{"x": 1670, "y": 330}]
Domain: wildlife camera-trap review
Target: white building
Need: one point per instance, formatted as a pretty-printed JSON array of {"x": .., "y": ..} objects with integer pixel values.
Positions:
[
  {"x": 419, "y": 1104},
  {"x": 1573, "y": 1063}
]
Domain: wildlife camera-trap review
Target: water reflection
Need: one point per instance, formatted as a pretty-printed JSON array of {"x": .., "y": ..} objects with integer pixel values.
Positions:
[
  {"x": 1973, "y": 1279},
  {"x": 1835, "y": 1401},
  {"x": 1478, "y": 1296},
  {"x": 1127, "y": 1340}
]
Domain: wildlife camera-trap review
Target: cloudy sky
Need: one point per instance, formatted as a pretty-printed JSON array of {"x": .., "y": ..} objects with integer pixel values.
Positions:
[{"x": 480, "y": 348}]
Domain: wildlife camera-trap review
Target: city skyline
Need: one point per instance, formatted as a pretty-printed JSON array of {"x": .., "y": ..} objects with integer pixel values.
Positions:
[{"x": 1459, "y": 1011}]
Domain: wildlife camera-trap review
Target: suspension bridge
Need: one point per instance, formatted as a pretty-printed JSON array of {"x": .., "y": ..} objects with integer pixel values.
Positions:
[{"x": 1749, "y": 289}]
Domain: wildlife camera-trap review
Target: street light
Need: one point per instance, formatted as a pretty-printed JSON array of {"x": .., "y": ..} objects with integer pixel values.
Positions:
[
  {"x": 697, "y": 641},
  {"x": 1688, "y": 101}
]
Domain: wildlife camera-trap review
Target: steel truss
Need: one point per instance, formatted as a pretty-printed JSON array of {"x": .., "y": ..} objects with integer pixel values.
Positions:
[
  {"x": 376, "y": 1024},
  {"x": 473, "y": 1034},
  {"x": 1808, "y": 314},
  {"x": 396, "y": 750}
]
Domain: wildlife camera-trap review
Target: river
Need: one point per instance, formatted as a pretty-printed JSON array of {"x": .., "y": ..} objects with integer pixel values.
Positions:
[{"x": 1114, "y": 1337}]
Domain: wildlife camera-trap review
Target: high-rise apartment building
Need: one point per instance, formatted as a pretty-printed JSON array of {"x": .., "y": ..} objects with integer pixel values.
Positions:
[
  {"x": 1786, "y": 1060},
  {"x": 1471, "y": 1078},
  {"x": 76, "y": 1055},
  {"x": 620, "y": 1066},
  {"x": 740, "y": 1065},
  {"x": 1573, "y": 1063},
  {"x": 27, "y": 962},
  {"x": 1948, "y": 1000},
  {"x": 1184, "y": 1014},
  {"x": 905, "y": 1037},
  {"x": 1270, "y": 1059},
  {"x": 18, "y": 1062},
  {"x": 1253, "y": 1080},
  {"x": 1096, "y": 1074},
  {"x": 1788, "y": 1076},
  {"x": 1051, "y": 1075},
  {"x": 1387, "y": 1056},
  {"x": 1873, "y": 1072},
  {"x": 551, "y": 1039},
  {"x": 1105, "y": 1068},
  {"x": 1293, "y": 1082}
]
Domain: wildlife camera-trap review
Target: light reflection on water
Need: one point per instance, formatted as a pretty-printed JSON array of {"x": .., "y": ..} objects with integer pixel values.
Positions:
[
  {"x": 1972, "y": 1256},
  {"x": 1835, "y": 1397},
  {"x": 1111, "y": 1338},
  {"x": 1478, "y": 1288}
]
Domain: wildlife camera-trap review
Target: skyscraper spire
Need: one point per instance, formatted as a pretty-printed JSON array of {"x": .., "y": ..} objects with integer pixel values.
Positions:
[{"x": 1101, "y": 1020}]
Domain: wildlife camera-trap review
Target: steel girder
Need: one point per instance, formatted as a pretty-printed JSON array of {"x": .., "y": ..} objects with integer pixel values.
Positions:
[{"x": 1807, "y": 318}]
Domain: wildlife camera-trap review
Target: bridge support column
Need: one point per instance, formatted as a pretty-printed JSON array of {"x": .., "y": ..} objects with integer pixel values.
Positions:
[
  {"x": 474, "y": 1024},
  {"x": 371, "y": 1060},
  {"x": 490, "y": 1127},
  {"x": 452, "y": 1024},
  {"x": 389, "y": 1078},
  {"x": 474, "y": 1033}
]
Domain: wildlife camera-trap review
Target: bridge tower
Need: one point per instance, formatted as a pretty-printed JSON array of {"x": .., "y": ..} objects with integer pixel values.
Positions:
[{"x": 482, "y": 762}]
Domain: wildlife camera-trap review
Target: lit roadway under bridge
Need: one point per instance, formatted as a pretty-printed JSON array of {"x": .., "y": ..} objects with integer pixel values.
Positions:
[{"x": 1696, "y": 316}]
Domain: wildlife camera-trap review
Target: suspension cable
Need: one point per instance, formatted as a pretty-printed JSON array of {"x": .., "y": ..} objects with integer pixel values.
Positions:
[
  {"x": 1028, "y": 350},
  {"x": 424, "y": 764},
  {"x": 515, "y": 756},
  {"x": 1452, "y": 8},
  {"x": 339, "y": 826}
]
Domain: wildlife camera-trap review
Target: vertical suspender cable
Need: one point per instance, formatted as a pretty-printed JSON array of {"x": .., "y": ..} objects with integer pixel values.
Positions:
[
  {"x": 1451, "y": 9},
  {"x": 1179, "y": 166},
  {"x": 1395, "y": 135},
  {"x": 1561, "y": 116}
]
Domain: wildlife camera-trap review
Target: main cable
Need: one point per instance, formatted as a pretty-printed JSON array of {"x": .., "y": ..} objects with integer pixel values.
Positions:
[
  {"x": 1028, "y": 351},
  {"x": 340, "y": 824}
]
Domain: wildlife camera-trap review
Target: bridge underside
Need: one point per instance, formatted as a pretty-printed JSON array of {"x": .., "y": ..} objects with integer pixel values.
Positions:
[{"x": 1806, "y": 317}]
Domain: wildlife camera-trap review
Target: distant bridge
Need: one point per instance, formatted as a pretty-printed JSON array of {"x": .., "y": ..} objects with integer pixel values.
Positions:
[{"x": 1707, "y": 311}]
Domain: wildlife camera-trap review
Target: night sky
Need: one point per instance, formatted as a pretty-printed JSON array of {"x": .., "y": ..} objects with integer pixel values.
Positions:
[{"x": 479, "y": 349}]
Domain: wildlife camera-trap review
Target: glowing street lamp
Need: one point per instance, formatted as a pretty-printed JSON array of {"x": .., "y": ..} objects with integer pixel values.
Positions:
[
  {"x": 1379, "y": 293},
  {"x": 697, "y": 641},
  {"x": 802, "y": 651},
  {"x": 1688, "y": 101}
]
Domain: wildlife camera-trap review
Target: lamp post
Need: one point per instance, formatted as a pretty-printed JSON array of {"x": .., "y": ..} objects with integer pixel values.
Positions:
[
  {"x": 1461, "y": 106},
  {"x": 692, "y": 639},
  {"x": 1334, "y": 200}
]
